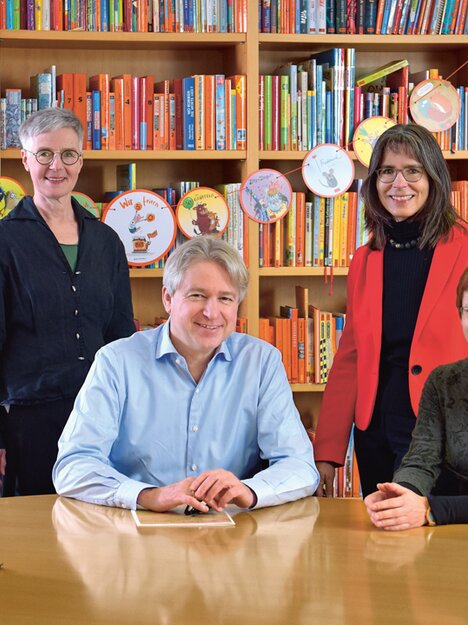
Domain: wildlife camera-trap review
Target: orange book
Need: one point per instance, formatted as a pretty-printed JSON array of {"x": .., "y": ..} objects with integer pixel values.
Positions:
[
  {"x": 287, "y": 347},
  {"x": 79, "y": 98},
  {"x": 264, "y": 330},
  {"x": 275, "y": 323},
  {"x": 163, "y": 87},
  {"x": 300, "y": 229},
  {"x": 199, "y": 112},
  {"x": 127, "y": 109},
  {"x": 111, "y": 120},
  {"x": 239, "y": 84},
  {"x": 65, "y": 85},
  {"x": 159, "y": 138},
  {"x": 101, "y": 82},
  {"x": 278, "y": 258},
  {"x": 210, "y": 119}
]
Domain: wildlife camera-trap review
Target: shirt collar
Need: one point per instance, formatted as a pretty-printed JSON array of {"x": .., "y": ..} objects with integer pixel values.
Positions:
[{"x": 165, "y": 346}]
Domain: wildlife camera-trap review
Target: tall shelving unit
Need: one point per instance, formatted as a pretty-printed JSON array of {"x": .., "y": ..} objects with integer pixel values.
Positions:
[{"x": 167, "y": 56}]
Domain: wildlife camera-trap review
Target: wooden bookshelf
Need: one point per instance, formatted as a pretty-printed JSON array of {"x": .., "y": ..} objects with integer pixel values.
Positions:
[{"x": 169, "y": 55}]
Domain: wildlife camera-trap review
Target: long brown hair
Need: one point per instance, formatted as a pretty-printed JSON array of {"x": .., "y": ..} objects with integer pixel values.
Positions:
[{"x": 437, "y": 216}]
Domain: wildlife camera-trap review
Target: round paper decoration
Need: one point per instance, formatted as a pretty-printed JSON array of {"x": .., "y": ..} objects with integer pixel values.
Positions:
[
  {"x": 366, "y": 135},
  {"x": 145, "y": 224},
  {"x": 266, "y": 196},
  {"x": 435, "y": 104},
  {"x": 86, "y": 202},
  {"x": 11, "y": 192},
  {"x": 328, "y": 170},
  {"x": 202, "y": 211}
]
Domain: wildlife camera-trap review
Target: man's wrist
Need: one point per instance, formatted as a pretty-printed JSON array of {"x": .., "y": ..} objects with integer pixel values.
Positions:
[
  {"x": 144, "y": 498},
  {"x": 430, "y": 520}
]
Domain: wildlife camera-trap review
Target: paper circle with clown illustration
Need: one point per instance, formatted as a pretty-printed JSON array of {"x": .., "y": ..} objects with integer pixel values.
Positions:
[
  {"x": 328, "y": 170},
  {"x": 435, "y": 104},
  {"x": 265, "y": 196},
  {"x": 366, "y": 136},
  {"x": 145, "y": 224},
  {"x": 11, "y": 192},
  {"x": 86, "y": 202},
  {"x": 202, "y": 211}
]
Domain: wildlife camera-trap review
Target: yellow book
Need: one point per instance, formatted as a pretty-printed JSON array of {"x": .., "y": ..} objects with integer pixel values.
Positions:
[{"x": 385, "y": 70}]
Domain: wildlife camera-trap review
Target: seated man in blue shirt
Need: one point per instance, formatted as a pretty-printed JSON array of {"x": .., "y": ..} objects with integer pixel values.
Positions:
[{"x": 191, "y": 413}]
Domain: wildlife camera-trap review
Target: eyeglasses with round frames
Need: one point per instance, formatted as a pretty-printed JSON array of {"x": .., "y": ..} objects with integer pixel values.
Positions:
[
  {"x": 410, "y": 174},
  {"x": 46, "y": 157},
  {"x": 463, "y": 311}
]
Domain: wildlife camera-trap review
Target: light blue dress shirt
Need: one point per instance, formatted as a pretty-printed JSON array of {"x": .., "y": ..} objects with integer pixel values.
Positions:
[{"x": 140, "y": 420}]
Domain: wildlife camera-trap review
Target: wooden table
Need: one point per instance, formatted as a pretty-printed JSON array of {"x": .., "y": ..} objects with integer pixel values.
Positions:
[{"x": 314, "y": 562}]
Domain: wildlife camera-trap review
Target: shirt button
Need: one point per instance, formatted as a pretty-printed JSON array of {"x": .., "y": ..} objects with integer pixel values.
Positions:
[
  {"x": 73, "y": 288},
  {"x": 77, "y": 335},
  {"x": 194, "y": 467},
  {"x": 80, "y": 357},
  {"x": 197, "y": 390},
  {"x": 416, "y": 369},
  {"x": 195, "y": 428},
  {"x": 76, "y": 312}
]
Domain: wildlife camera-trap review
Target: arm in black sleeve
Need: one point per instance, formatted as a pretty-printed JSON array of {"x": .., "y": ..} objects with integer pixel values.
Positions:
[
  {"x": 449, "y": 509},
  {"x": 122, "y": 324}
]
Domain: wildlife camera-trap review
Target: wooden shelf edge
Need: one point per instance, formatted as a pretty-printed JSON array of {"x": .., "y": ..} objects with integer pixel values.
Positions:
[
  {"x": 137, "y": 272},
  {"x": 82, "y": 39},
  {"x": 277, "y": 40},
  {"x": 148, "y": 155},
  {"x": 307, "y": 388}
]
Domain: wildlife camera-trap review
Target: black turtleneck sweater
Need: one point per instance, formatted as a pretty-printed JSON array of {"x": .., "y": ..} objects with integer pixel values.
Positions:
[{"x": 404, "y": 279}]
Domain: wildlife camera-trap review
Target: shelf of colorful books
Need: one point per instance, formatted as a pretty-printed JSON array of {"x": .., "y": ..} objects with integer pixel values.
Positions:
[
  {"x": 399, "y": 43},
  {"x": 279, "y": 272},
  {"x": 120, "y": 40},
  {"x": 147, "y": 155}
]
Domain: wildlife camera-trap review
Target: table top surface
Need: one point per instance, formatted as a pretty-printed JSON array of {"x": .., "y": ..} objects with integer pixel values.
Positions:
[{"x": 314, "y": 561}]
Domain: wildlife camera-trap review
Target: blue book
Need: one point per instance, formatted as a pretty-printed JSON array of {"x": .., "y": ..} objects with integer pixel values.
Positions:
[
  {"x": 448, "y": 17},
  {"x": 41, "y": 89},
  {"x": 386, "y": 15},
  {"x": 329, "y": 117},
  {"x": 96, "y": 119},
  {"x": 371, "y": 17},
  {"x": 303, "y": 17},
  {"x": 188, "y": 94},
  {"x": 233, "y": 121},
  {"x": 104, "y": 16},
  {"x": 312, "y": 119},
  {"x": 266, "y": 16},
  {"x": 13, "y": 117},
  {"x": 320, "y": 99},
  {"x": 223, "y": 17}
]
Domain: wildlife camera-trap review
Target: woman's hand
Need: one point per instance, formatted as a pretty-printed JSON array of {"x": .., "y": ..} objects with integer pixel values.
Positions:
[
  {"x": 327, "y": 477},
  {"x": 394, "y": 507}
]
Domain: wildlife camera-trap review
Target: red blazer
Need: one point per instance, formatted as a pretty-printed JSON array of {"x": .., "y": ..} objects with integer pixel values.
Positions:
[{"x": 438, "y": 339}]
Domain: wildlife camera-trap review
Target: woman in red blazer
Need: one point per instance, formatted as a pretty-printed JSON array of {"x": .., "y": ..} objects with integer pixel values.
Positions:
[{"x": 399, "y": 325}]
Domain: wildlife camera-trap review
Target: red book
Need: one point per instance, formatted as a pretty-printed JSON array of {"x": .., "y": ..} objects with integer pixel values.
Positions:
[
  {"x": 127, "y": 109},
  {"x": 210, "y": 119},
  {"x": 65, "y": 85}
]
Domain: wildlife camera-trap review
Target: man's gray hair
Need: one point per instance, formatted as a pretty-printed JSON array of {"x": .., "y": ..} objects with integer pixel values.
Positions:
[
  {"x": 48, "y": 120},
  {"x": 205, "y": 249}
]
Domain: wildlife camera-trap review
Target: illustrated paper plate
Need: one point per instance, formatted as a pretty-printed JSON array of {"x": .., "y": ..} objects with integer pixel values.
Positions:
[
  {"x": 145, "y": 224},
  {"x": 86, "y": 202},
  {"x": 366, "y": 135},
  {"x": 202, "y": 211},
  {"x": 435, "y": 104},
  {"x": 266, "y": 196},
  {"x": 11, "y": 192},
  {"x": 328, "y": 170}
]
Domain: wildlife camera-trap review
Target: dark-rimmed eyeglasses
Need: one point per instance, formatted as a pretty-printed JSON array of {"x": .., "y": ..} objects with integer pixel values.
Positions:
[
  {"x": 463, "y": 311},
  {"x": 410, "y": 174},
  {"x": 46, "y": 157}
]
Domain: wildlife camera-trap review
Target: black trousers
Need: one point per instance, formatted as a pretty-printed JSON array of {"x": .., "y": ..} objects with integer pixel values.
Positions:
[
  {"x": 380, "y": 448},
  {"x": 30, "y": 435}
]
